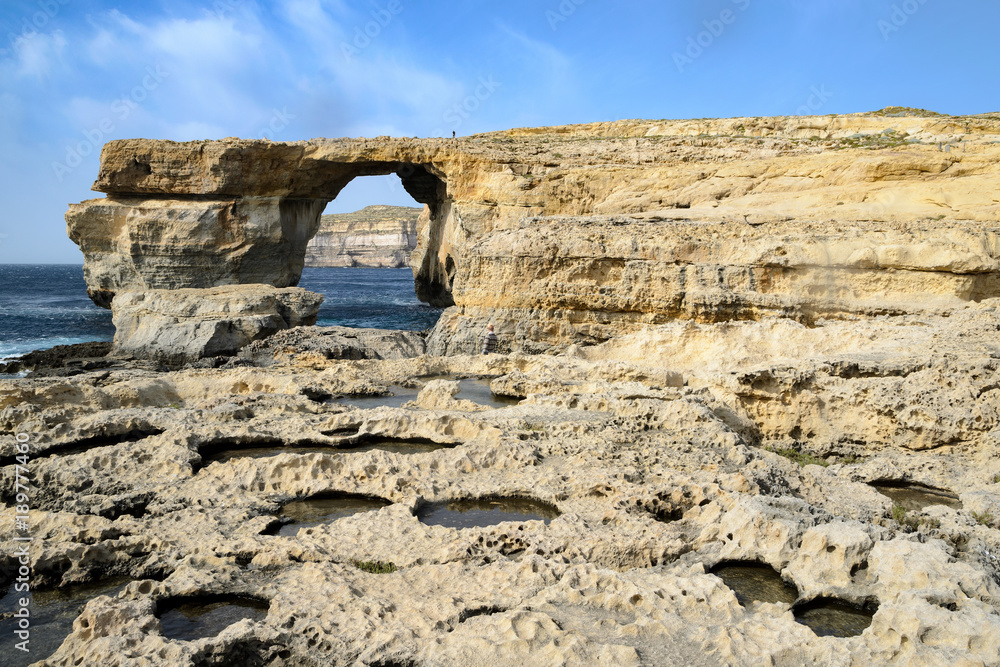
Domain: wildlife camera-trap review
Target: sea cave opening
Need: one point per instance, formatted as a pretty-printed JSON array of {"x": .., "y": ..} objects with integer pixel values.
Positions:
[{"x": 361, "y": 256}]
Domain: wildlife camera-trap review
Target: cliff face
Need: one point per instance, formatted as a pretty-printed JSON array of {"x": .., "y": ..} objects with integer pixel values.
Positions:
[
  {"x": 374, "y": 237},
  {"x": 570, "y": 234},
  {"x": 557, "y": 281}
]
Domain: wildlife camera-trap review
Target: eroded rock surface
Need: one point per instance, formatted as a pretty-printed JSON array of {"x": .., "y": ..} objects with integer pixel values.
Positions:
[
  {"x": 665, "y": 453},
  {"x": 323, "y": 343},
  {"x": 727, "y": 336},
  {"x": 558, "y": 281},
  {"x": 201, "y": 214},
  {"x": 182, "y": 325}
]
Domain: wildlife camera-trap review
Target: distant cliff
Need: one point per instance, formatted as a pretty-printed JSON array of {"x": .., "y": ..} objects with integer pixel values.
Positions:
[{"x": 374, "y": 237}]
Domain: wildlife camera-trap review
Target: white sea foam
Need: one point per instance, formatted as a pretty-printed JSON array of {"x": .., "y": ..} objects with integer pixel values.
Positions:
[{"x": 16, "y": 348}]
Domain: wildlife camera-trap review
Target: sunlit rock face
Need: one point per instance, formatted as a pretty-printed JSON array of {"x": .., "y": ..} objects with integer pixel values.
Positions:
[
  {"x": 557, "y": 281},
  {"x": 577, "y": 233},
  {"x": 134, "y": 244}
]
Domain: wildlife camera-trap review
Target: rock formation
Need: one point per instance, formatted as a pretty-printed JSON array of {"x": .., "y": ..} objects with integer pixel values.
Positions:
[
  {"x": 335, "y": 343},
  {"x": 199, "y": 214},
  {"x": 380, "y": 237},
  {"x": 176, "y": 326},
  {"x": 756, "y": 332},
  {"x": 559, "y": 281},
  {"x": 666, "y": 454}
]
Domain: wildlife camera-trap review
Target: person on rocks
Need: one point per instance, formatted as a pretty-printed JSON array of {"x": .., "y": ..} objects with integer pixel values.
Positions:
[{"x": 489, "y": 340}]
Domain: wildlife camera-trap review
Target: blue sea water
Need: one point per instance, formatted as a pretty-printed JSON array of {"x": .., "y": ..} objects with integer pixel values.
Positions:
[
  {"x": 46, "y": 305},
  {"x": 43, "y": 305},
  {"x": 369, "y": 298}
]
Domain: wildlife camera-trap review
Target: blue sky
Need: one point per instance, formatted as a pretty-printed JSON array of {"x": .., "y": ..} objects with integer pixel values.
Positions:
[{"x": 76, "y": 73}]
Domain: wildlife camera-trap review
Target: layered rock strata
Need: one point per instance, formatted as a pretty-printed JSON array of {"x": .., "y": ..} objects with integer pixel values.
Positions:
[
  {"x": 177, "y": 326},
  {"x": 206, "y": 213},
  {"x": 558, "y": 281},
  {"x": 378, "y": 237}
]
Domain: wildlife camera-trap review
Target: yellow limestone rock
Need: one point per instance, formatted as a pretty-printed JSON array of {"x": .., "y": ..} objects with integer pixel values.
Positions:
[{"x": 818, "y": 197}]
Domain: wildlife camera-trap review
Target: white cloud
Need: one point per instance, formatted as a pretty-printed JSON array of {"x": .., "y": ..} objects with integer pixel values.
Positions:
[
  {"x": 311, "y": 19},
  {"x": 103, "y": 47},
  {"x": 37, "y": 53},
  {"x": 211, "y": 72},
  {"x": 546, "y": 58},
  {"x": 209, "y": 42},
  {"x": 365, "y": 74}
]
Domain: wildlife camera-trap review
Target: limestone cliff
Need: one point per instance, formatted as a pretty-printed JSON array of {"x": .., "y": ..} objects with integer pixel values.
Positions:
[
  {"x": 563, "y": 280},
  {"x": 374, "y": 237},
  {"x": 710, "y": 219}
]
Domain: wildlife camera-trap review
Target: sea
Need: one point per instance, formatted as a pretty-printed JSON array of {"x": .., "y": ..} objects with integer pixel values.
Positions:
[{"x": 44, "y": 305}]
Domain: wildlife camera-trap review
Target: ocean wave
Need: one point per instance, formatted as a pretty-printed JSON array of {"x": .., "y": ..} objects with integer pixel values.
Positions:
[{"x": 16, "y": 348}]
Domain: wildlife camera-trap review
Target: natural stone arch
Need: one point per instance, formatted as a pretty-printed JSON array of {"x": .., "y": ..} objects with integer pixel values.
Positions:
[
  {"x": 427, "y": 186},
  {"x": 577, "y": 234},
  {"x": 207, "y": 214}
]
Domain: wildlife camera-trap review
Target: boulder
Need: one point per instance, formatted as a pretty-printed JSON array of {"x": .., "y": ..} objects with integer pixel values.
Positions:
[
  {"x": 306, "y": 344},
  {"x": 178, "y": 326},
  {"x": 442, "y": 395}
]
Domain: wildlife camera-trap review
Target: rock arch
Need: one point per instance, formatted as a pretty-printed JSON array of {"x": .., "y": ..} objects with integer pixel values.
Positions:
[
  {"x": 577, "y": 234},
  {"x": 206, "y": 214}
]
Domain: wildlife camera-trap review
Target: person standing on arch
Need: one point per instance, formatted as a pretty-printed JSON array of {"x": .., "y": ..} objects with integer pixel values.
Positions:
[{"x": 489, "y": 340}]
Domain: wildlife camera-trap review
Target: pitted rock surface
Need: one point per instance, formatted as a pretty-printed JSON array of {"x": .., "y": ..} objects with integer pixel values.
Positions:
[{"x": 663, "y": 455}]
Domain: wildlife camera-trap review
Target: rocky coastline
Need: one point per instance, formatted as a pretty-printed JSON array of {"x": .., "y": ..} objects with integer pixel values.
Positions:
[{"x": 764, "y": 346}]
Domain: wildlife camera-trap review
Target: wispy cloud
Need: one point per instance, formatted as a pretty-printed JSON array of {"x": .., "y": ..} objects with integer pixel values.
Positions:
[
  {"x": 379, "y": 83},
  {"x": 546, "y": 57},
  {"x": 38, "y": 53}
]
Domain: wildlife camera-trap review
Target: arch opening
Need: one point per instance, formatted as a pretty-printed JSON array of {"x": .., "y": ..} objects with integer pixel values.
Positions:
[
  {"x": 361, "y": 253},
  {"x": 426, "y": 185}
]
